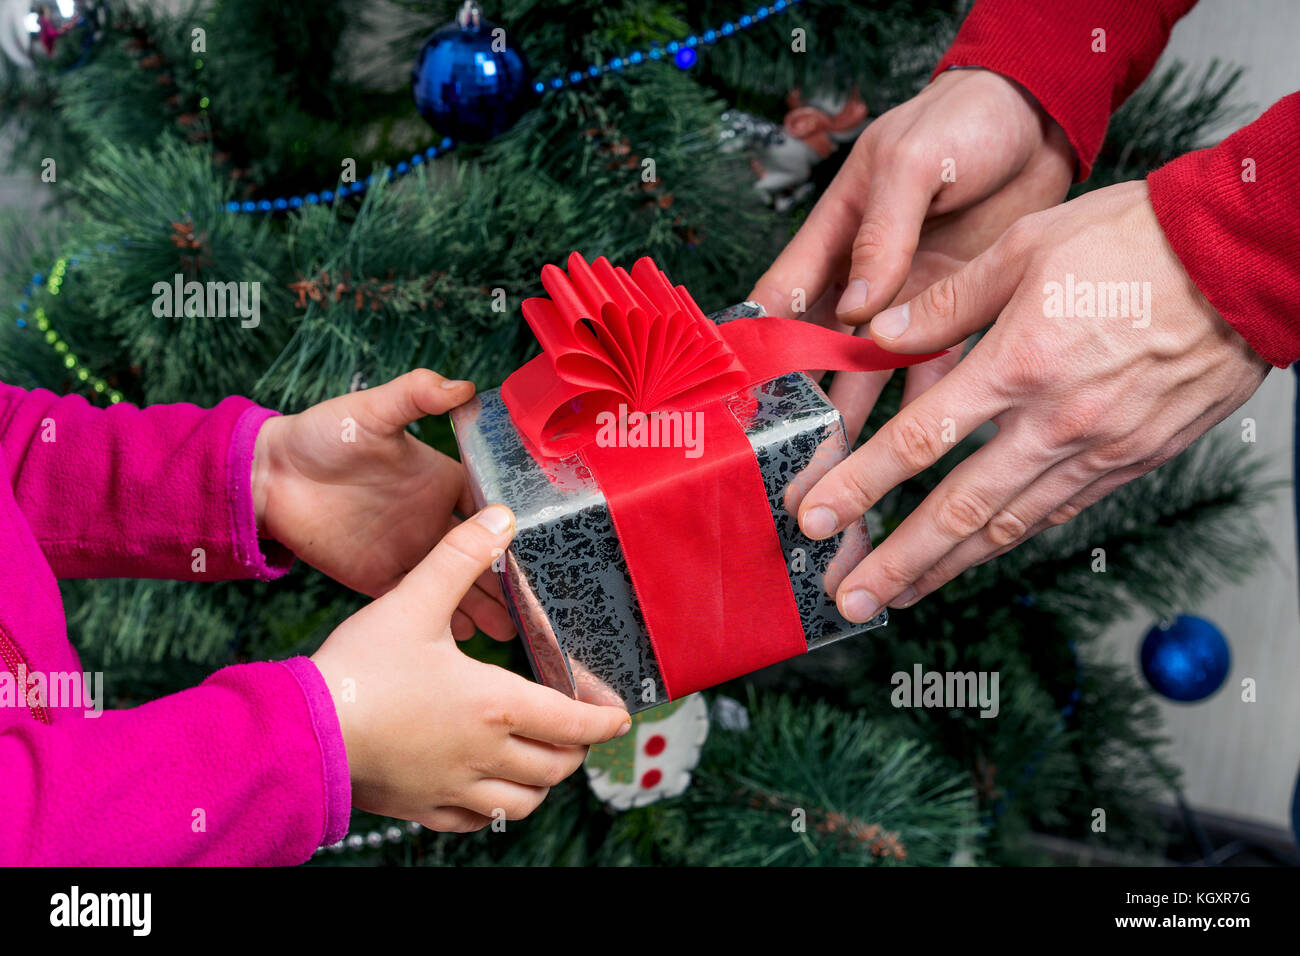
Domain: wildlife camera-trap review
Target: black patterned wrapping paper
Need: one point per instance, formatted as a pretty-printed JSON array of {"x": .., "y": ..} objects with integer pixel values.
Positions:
[{"x": 565, "y": 575}]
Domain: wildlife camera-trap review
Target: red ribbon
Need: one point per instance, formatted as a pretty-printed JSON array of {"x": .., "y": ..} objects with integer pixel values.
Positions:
[{"x": 696, "y": 532}]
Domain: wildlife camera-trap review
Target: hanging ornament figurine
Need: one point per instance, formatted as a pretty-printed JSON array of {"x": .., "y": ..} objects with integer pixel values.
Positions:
[
  {"x": 470, "y": 80},
  {"x": 811, "y": 132},
  {"x": 1187, "y": 660},
  {"x": 48, "y": 23},
  {"x": 654, "y": 760}
]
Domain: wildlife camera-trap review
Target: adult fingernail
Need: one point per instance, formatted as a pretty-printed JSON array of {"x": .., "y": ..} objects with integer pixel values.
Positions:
[
  {"x": 859, "y": 606},
  {"x": 819, "y": 522},
  {"x": 905, "y": 599},
  {"x": 496, "y": 518},
  {"x": 454, "y": 382},
  {"x": 627, "y": 725},
  {"x": 892, "y": 323},
  {"x": 854, "y": 297}
]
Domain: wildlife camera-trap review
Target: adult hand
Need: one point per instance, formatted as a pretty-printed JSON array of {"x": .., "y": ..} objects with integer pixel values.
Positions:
[
  {"x": 349, "y": 490},
  {"x": 927, "y": 186},
  {"x": 1085, "y": 397},
  {"x": 433, "y": 735}
]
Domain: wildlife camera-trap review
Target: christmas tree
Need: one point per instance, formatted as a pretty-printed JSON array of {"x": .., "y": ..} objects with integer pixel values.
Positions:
[{"x": 243, "y": 141}]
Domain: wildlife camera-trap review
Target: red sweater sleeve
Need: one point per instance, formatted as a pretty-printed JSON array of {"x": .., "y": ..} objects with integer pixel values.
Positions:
[
  {"x": 1232, "y": 215},
  {"x": 1053, "y": 49}
]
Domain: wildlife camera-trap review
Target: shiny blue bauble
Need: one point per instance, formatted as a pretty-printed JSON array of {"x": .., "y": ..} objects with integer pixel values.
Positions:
[
  {"x": 466, "y": 89},
  {"x": 1187, "y": 661}
]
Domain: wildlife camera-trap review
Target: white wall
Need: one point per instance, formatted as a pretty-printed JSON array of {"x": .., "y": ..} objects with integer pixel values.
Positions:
[{"x": 1239, "y": 758}]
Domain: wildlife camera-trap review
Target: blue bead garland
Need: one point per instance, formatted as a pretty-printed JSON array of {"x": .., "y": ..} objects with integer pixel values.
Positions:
[{"x": 682, "y": 53}]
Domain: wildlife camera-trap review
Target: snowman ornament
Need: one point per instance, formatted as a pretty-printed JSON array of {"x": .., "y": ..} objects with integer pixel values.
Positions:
[{"x": 654, "y": 760}]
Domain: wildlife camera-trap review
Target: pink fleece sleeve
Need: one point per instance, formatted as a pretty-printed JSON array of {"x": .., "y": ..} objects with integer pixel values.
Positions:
[
  {"x": 157, "y": 492},
  {"x": 246, "y": 768}
]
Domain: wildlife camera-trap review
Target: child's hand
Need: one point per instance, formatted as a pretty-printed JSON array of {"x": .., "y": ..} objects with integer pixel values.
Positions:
[
  {"x": 433, "y": 735},
  {"x": 346, "y": 488}
]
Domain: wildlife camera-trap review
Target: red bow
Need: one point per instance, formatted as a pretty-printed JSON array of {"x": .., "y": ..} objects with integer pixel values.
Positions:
[{"x": 697, "y": 534}]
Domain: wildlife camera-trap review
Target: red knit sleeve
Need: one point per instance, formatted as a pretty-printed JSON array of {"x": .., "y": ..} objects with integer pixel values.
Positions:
[
  {"x": 1232, "y": 215},
  {"x": 1080, "y": 58}
]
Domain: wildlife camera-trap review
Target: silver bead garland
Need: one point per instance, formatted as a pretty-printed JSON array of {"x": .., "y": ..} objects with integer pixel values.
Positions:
[{"x": 372, "y": 840}]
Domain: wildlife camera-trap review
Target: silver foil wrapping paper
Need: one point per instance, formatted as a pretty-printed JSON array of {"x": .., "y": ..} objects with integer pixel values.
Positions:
[{"x": 565, "y": 575}]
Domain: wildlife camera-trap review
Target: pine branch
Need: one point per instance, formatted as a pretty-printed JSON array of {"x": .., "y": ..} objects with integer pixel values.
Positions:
[{"x": 867, "y": 795}]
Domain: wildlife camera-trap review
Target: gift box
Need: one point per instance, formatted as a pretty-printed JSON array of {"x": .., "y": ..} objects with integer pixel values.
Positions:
[{"x": 644, "y": 570}]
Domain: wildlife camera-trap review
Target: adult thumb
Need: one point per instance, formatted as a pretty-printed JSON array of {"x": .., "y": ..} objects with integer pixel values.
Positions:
[
  {"x": 435, "y": 586},
  {"x": 944, "y": 314},
  {"x": 885, "y": 243}
]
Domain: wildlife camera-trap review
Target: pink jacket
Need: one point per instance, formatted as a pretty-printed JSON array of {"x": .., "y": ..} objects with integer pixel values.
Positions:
[{"x": 248, "y": 767}]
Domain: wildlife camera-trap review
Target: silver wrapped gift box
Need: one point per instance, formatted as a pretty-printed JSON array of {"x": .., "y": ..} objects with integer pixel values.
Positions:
[{"x": 565, "y": 576}]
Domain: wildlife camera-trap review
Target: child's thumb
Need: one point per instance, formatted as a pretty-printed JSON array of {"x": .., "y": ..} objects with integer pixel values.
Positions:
[{"x": 437, "y": 584}]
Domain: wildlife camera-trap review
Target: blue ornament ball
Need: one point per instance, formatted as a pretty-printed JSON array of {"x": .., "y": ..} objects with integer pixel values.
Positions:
[
  {"x": 1186, "y": 661},
  {"x": 470, "y": 80}
]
